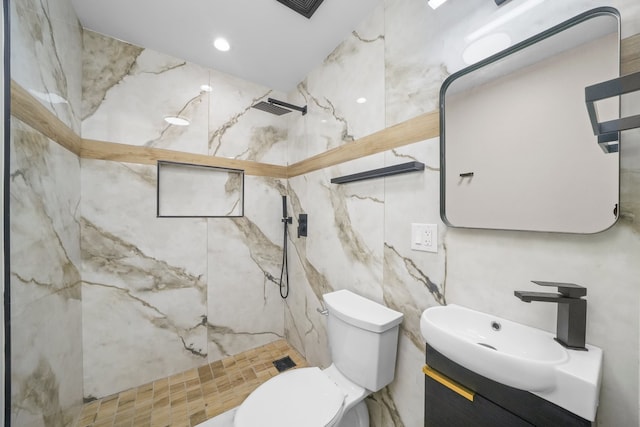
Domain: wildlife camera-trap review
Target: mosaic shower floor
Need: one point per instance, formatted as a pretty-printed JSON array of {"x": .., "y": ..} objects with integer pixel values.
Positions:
[{"x": 191, "y": 397}]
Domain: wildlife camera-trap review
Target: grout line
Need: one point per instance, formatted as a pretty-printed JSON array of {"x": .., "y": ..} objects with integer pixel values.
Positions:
[{"x": 191, "y": 397}]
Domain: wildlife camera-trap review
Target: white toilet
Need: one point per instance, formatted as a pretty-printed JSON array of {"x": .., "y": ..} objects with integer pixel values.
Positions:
[{"x": 363, "y": 340}]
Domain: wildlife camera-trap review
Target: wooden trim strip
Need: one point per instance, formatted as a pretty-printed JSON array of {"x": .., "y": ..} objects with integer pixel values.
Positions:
[
  {"x": 425, "y": 126},
  {"x": 630, "y": 55},
  {"x": 448, "y": 383},
  {"x": 419, "y": 128},
  {"x": 101, "y": 150},
  {"x": 30, "y": 111}
]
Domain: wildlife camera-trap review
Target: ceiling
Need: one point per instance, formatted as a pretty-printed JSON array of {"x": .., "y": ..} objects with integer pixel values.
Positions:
[{"x": 270, "y": 44}]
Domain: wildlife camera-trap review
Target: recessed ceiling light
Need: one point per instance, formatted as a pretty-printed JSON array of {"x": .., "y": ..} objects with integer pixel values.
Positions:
[
  {"x": 435, "y": 3},
  {"x": 206, "y": 88},
  {"x": 176, "y": 121},
  {"x": 221, "y": 44},
  {"x": 361, "y": 100}
]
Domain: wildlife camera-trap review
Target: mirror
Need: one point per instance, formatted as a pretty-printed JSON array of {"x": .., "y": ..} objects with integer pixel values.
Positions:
[
  {"x": 186, "y": 190},
  {"x": 517, "y": 149}
]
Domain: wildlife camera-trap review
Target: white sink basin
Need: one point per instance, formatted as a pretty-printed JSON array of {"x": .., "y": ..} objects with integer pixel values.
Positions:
[{"x": 516, "y": 355}]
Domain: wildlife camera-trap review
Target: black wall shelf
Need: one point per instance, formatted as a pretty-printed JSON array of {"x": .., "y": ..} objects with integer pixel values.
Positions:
[{"x": 379, "y": 173}]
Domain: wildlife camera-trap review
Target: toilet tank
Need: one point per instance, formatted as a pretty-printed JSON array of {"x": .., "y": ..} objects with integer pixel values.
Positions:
[{"x": 363, "y": 338}]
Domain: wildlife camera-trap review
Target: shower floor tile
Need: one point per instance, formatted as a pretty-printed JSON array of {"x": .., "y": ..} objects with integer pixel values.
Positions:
[{"x": 189, "y": 398}]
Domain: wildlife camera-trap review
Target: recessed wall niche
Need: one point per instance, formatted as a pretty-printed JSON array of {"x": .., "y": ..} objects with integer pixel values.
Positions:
[{"x": 188, "y": 191}]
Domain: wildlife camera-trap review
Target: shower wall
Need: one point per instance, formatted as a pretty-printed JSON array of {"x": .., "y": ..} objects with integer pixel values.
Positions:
[
  {"x": 163, "y": 295},
  {"x": 160, "y": 295},
  {"x": 359, "y": 233},
  {"x": 46, "y": 305}
]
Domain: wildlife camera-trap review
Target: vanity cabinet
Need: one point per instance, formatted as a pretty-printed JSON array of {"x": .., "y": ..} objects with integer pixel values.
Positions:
[{"x": 456, "y": 396}]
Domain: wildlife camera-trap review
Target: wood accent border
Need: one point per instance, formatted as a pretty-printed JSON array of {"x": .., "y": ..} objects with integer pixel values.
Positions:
[
  {"x": 425, "y": 126},
  {"x": 101, "y": 150},
  {"x": 419, "y": 128},
  {"x": 630, "y": 55},
  {"x": 31, "y": 111}
]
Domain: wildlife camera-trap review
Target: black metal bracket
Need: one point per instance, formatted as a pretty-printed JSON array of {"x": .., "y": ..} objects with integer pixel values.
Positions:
[
  {"x": 378, "y": 173},
  {"x": 608, "y": 131}
]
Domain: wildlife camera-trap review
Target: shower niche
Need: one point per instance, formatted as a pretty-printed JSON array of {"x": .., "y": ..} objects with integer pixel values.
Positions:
[
  {"x": 517, "y": 149},
  {"x": 194, "y": 191}
]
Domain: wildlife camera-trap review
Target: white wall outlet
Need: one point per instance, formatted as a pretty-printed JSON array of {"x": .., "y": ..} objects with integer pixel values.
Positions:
[{"x": 424, "y": 237}]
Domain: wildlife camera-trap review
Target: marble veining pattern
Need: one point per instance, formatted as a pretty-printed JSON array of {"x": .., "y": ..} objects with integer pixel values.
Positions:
[
  {"x": 46, "y": 41},
  {"x": 383, "y": 410},
  {"x": 238, "y": 131},
  {"x": 100, "y": 71},
  {"x": 181, "y": 286},
  {"x": 215, "y": 137},
  {"x": 160, "y": 296},
  {"x": 138, "y": 271},
  {"x": 128, "y": 90},
  {"x": 421, "y": 48},
  {"x": 46, "y": 312}
]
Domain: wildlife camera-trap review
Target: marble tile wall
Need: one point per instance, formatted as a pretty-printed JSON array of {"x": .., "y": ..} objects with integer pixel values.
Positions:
[
  {"x": 359, "y": 233},
  {"x": 162, "y": 295},
  {"x": 46, "y": 306},
  {"x": 46, "y": 371}
]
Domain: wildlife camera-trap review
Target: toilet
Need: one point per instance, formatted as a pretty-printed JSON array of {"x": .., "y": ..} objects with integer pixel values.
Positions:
[{"x": 363, "y": 342}]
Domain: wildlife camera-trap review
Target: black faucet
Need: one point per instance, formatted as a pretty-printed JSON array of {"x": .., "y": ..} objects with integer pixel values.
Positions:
[{"x": 572, "y": 311}]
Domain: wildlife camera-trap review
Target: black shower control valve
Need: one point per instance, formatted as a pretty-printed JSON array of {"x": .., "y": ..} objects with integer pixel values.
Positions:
[{"x": 302, "y": 225}]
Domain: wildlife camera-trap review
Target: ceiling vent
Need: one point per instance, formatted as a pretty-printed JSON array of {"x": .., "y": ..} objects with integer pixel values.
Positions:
[{"x": 305, "y": 8}]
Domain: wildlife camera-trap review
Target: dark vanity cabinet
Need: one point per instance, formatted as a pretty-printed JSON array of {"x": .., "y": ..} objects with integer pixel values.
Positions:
[{"x": 458, "y": 397}]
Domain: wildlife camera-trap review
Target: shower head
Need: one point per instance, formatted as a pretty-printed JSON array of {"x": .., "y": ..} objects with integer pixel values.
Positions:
[
  {"x": 275, "y": 106},
  {"x": 270, "y": 108}
]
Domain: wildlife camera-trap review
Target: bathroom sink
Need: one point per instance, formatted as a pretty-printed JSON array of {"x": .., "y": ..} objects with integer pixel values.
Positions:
[{"x": 516, "y": 355}]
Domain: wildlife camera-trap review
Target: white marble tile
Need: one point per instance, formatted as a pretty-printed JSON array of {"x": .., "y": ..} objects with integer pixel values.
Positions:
[
  {"x": 344, "y": 237},
  {"x": 46, "y": 45},
  {"x": 245, "y": 309},
  {"x": 413, "y": 280},
  {"x": 407, "y": 388},
  {"x": 46, "y": 311},
  {"x": 144, "y": 282},
  {"x": 355, "y": 69},
  {"x": 238, "y": 131},
  {"x": 201, "y": 289},
  {"x": 129, "y": 91}
]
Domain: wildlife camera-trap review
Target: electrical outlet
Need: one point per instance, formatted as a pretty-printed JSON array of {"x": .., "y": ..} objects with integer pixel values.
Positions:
[
  {"x": 424, "y": 237},
  {"x": 428, "y": 236}
]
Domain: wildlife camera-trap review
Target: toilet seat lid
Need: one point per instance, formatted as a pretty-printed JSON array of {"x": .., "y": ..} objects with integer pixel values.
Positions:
[{"x": 302, "y": 397}]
